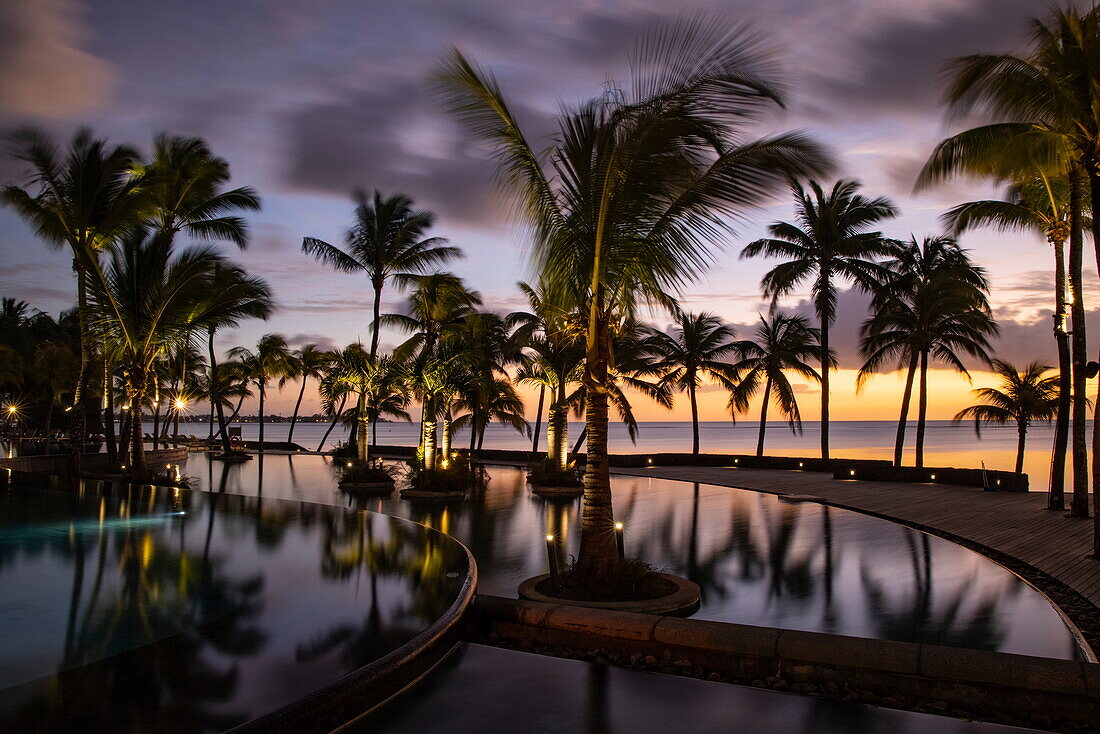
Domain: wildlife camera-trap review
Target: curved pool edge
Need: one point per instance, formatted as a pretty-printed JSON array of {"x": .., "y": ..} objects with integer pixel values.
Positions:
[
  {"x": 358, "y": 693},
  {"x": 1002, "y": 559}
]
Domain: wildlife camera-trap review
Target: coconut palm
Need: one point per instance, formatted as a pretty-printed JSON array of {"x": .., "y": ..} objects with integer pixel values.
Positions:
[
  {"x": 692, "y": 351},
  {"x": 184, "y": 185},
  {"x": 234, "y": 296},
  {"x": 1036, "y": 202},
  {"x": 304, "y": 363},
  {"x": 268, "y": 362},
  {"x": 83, "y": 197},
  {"x": 142, "y": 302},
  {"x": 373, "y": 381},
  {"x": 1045, "y": 109},
  {"x": 628, "y": 199},
  {"x": 386, "y": 243},
  {"x": 833, "y": 239},
  {"x": 1022, "y": 397},
  {"x": 934, "y": 307},
  {"x": 783, "y": 343}
]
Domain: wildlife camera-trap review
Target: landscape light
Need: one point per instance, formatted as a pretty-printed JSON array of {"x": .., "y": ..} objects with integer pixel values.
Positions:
[
  {"x": 800, "y": 465},
  {"x": 650, "y": 460},
  {"x": 549, "y": 538},
  {"x": 618, "y": 526},
  {"x": 12, "y": 410},
  {"x": 852, "y": 473},
  {"x": 180, "y": 404},
  {"x": 933, "y": 477},
  {"x": 349, "y": 465}
]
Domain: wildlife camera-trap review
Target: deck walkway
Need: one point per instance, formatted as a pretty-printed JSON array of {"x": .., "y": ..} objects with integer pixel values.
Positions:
[{"x": 1012, "y": 525}]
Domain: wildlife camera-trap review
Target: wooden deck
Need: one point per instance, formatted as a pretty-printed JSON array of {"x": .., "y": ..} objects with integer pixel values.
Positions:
[{"x": 1014, "y": 525}]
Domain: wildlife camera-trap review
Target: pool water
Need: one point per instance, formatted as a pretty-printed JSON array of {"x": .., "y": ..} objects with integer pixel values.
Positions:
[
  {"x": 759, "y": 560},
  {"x": 181, "y": 611}
]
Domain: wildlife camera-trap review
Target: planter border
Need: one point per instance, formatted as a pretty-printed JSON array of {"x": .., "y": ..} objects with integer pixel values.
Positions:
[{"x": 681, "y": 602}]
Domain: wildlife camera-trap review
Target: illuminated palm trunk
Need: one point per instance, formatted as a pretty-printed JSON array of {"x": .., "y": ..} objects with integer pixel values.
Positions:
[
  {"x": 362, "y": 437},
  {"x": 428, "y": 442},
  {"x": 1079, "y": 352},
  {"x": 1057, "y": 492},
  {"x": 445, "y": 438},
  {"x": 136, "y": 389},
  {"x": 557, "y": 435}
]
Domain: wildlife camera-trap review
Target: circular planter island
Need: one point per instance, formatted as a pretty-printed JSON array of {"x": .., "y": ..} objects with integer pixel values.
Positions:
[
  {"x": 682, "y": 600},
  {"x": 556, "y": 492}
]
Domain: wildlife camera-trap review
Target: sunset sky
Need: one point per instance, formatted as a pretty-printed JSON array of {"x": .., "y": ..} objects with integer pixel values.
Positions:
[{"x": 308, "y": 100}]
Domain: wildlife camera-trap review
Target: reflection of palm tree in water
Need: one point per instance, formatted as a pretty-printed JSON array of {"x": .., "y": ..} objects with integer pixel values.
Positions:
[
  {"x": 967, "y": 616},
  {"x": 829, "y": 618},
  {"x": 597, "y": 701},
  {"x": 788, "y": 576}
]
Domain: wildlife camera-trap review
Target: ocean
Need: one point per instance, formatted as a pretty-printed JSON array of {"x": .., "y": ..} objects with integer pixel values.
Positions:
[{"x": 946, "y": 443}]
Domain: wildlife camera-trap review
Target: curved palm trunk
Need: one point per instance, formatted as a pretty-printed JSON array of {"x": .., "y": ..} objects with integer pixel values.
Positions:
[
  {"x": 335, "y": 420},
  {"x": 78, "y": 425},
  {"x": 826, "y": 318},
  {"x": 906, "y": 400},
  {"x": 215, "y": 396},
  {"x": 1021, "y": 441},
  {"x": 1094, "y": 187},
  {"x": 598, "y": 558},
  {"x": 694, "y": 418},
  {"x": 297, "y": 407},
  {"x": 557, "y": 429},
  {"x": 580, "y": 441},
  {"x": 922, "y": 410},
  {"x": 764, "y": 416},
  {"x": 156, "y": 424},
  {"x": 1079, "y": 353},
  {"x": 538, "y": 423},
  {"x": 108, "y": 415},
  {"x": 136, "y": 389},
  {"x": 1056, "y": 497}
]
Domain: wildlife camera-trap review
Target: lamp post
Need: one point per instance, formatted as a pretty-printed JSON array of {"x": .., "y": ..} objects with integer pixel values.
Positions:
[
  {"x": 619, "y": 540},
  {"x": 552, "y": 558}
]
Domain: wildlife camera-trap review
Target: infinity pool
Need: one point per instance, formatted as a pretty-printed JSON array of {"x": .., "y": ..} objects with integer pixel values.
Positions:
[
  {"x": 181, "y": 611},
  {"x": 759, "y": 560}
]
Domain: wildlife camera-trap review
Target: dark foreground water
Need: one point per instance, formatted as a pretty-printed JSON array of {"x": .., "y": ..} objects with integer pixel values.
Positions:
[
  {"x": 161, "y": 611},
  {"x": 759, "y": 560}
]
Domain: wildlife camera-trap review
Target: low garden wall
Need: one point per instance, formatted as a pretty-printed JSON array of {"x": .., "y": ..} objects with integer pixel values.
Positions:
[
  {"x": 1063, "y": 695},
  {"x": 55, "y": 463}
]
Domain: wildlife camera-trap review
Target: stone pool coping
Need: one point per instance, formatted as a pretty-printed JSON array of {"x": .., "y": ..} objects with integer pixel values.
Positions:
[
  {"x": 979, "y": 684},
  {"x": 684, "y": 600}
]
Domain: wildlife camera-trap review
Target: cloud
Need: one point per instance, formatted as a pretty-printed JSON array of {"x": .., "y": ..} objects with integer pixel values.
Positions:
[{"x": 44, "y": 69}]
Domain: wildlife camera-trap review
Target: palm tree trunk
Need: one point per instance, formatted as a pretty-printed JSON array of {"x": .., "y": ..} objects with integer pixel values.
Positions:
[
  {"x": 428, "y": 441},
  {"x": 263, "y": 383},
  {"x": 109, "y": 414},
  {"x": 78, "y": 426},
  {"x": 825, "y": 319},
  {"x": 363, "y": 435},
  {"x": 694, "y": 418},
  {"x": 1021, "y": 430},
  {"x": 538, "y": 423},
  {"x": 215, "y": 396},
  {"x": 335, "y": 420},
  {"x": 580, "y": 442},
  {"x": 598, "y": 558},
  {"x": 377, "y": 315},
  {"x": 1079, "y": 352},
  {"x": 138, "y": 467},
  {"x": 1094, "y": 187},
  {"x": 156, "y": 424},
  {"x": 922, "y": 409},
  {"x": 445, "y": 437},
  {"x": 763, "y": 416},
  {"x": 1056, "y": 498},
  {"x": 297, "y": 407},
  {"x": 906, "y": 399}
]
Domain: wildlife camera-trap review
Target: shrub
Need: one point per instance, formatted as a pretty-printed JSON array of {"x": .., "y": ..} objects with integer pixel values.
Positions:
[
  {"x": 358, "y": 471},
  {"x": 635, "y": 581},
  {"x": 458, "y": 476},
  {"x": 545, "y": 473}
]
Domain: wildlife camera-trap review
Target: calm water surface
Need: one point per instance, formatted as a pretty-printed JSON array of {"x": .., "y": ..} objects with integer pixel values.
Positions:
[
  {"x": 759, "y": 560},
  {"x": 190, "y": 612}
]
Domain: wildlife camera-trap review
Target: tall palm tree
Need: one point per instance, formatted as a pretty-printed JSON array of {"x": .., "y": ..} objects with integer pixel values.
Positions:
[
  {"x": 386, "y": 243},
  {"x": 833, "y": 239},
  {"x": 691, "y": 352},
  {"x": 268, "y": 362},
  {"x": 373, "y": 381},
  {"x": 1023, "y": 397},
  {"x": 142, "y": 302},
  {"x": 637, "y": 184},
  {"x": 1046, "y": 111},
  {"x": 783, "y": 344},
  {"x": 1039, "y": 202},
  {"x": 185, "y": 181},
  {"x": 934, "y": 306},
  {"x": 83, "y": 197},
  {"x": 304, "y": 363},
  {"x": 234, "y": 296}
]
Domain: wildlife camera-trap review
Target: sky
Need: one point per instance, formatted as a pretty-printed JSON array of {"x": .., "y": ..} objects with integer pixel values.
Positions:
[{"x": 311, "y": 100}]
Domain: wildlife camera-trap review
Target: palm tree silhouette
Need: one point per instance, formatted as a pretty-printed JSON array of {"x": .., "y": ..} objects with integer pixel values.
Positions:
[
  {"x": 692, "y": 351},
  {"x": 304, "y": 363},
  {"x": 783, "y": 342},
  {"x": 268, "y": 362},
  {"x": 1023, "y": 396},
  {"x": 386, "y": 243},
  {"x": 637, "y": 184},
  {"x": 933, "y": 307},
  {"x": 832, "y": 240}
]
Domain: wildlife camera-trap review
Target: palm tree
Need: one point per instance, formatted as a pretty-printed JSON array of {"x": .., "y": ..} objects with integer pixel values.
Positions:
[
  {"x": 1037, "y": 202},
  {"x": 142, "y": 303},
  {"x": 832, "y": 239},
  {"x": 373, "y": 381},
  {"x": 387, "y": 242},
  {"x": 1023, "y": 397},
  {"x": 83, "y": 197},
  {"x": 628, "y": 198},
  {"x": 268, "y": 362},
  {"x": 933, "y": 307},
  {"x": 1046, "y": 110},
  {"x": 692, "y": 351},
  {"x": 783, "y": 343},
  {"x": 304, "y": 363},
  {"x": 233, "y": 297},
  {"x": 184, "y": 184}
]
